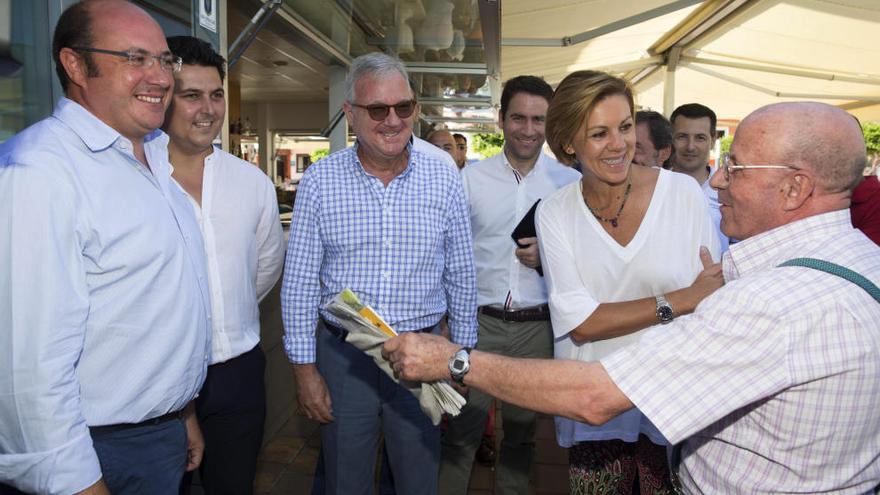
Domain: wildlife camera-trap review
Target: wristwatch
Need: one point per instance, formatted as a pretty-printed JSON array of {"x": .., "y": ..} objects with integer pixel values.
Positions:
[
  {"x": 460, "y": 364},
  {"x": 664, "y": 310}
]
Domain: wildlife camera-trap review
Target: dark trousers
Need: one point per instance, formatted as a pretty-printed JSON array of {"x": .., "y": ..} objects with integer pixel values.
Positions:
[
  {"x": 365, "y": 402},
  {"x": 231, "y": 408},
  {"x": 142, "y": 460},
  {"x": 139, "y": 460}
]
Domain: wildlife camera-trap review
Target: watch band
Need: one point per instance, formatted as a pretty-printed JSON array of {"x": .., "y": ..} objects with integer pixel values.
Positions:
[{"x": 664, "y": 310}]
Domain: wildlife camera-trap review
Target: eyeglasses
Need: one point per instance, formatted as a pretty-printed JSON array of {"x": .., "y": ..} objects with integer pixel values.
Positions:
[
  {"x": 380, "y": 112},
  {"x": 139, "y": 58},
  {"x": 728, "y": 164}
]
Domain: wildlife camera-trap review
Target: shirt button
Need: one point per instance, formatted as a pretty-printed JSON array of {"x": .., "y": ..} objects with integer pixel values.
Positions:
[{"x": 386, "y": 274}]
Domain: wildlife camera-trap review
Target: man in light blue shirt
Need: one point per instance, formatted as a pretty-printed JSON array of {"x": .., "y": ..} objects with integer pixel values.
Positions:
[
  {"x": 391, "y": 223},
  {"x": 104, "y": 307}
]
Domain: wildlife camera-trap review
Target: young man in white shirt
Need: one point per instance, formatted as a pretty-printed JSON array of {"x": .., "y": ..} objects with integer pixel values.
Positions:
[
  {"x": 513, "y": 315},
  {"x": 238, "y": 215},
  {"x": 693, "y": 137}
]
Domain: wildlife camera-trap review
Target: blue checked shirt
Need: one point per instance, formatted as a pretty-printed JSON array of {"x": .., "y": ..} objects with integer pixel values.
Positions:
[{"x": 405, "y": 249}]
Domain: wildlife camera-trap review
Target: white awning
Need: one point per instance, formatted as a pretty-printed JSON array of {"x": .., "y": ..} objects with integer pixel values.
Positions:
[{"x": 731, "y": 55}]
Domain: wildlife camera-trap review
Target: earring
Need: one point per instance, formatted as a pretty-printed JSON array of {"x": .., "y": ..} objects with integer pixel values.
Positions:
[{"x": 568, "y": 149}]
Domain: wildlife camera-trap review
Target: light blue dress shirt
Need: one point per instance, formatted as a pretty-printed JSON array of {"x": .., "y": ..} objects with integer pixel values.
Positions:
[
  {"x": 405, "y": 249},
  {"x": 104, "y": 303}
]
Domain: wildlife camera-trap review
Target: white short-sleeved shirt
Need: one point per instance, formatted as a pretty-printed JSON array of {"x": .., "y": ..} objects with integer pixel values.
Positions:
[{"x": 584, "y": 267}]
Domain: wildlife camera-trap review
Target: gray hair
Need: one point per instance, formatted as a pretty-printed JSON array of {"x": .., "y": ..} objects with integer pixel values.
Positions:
[{"x": 375, "y": 64}]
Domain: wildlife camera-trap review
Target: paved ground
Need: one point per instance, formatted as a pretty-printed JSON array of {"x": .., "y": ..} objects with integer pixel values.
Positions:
[{"x": 287, "y": 462}]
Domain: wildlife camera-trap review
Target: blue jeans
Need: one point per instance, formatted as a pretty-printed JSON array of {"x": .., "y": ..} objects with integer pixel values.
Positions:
[
  {"x": 365, "y": 402},
  {"x": 144, "y": 460}
]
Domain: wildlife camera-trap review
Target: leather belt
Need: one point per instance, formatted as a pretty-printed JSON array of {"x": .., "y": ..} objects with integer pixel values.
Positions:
[
  {"x": 148, "y": 422},
  {"x": 342, "y": 333},
  {"x": 535, "y": 313}
]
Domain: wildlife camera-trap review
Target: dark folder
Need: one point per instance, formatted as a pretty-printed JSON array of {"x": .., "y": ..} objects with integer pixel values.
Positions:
[{"x": 526, "y": 228}]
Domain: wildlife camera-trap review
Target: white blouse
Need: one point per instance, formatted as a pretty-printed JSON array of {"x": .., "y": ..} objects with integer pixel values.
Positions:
[{"x": 584, "y": 266}]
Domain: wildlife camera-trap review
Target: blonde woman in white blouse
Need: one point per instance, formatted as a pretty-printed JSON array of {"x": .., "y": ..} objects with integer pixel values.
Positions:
[{"x": 621, "y": 251}]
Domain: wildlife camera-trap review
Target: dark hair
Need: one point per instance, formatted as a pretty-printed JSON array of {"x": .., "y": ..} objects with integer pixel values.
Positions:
[
  {"x": 459, "y": 136},
  {"x": 194, "y": 51},
  {"x": 696, "y": 111},
  {"x": 524, "y": 84},
  {"x": 659, "y": 128},
  {"x": 74, "y": 28}
]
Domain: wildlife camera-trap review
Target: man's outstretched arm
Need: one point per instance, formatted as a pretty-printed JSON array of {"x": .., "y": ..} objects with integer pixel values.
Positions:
[{"x": 581, "y": 391}]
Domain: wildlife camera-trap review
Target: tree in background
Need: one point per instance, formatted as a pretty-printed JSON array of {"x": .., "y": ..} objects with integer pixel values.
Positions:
[
  {"x": 488, "y": 144},
  {"x": 871, "y": 131},
  {"x": 318, "y": 154}
]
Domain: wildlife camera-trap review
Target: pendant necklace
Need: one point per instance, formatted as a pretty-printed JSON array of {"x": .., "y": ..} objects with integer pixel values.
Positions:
[{"x": 612, "y": 220}]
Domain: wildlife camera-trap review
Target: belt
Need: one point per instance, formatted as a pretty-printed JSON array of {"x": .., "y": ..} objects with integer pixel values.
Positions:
[
  {"x": 342, "y": 333},
  {"x": 535, "y": 313},
  {"x": 126, "y": 426}
]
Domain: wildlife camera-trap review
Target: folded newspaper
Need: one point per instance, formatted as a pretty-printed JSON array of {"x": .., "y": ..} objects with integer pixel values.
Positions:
[{"x": 368, "y": 331}]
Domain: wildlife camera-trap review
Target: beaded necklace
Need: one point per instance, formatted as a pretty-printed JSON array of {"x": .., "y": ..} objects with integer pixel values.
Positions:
[{"x": 612, "y": 220}]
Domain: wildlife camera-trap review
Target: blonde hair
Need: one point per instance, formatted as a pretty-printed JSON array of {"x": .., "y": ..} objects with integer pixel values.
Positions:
[{"x": 572, "y": 103}]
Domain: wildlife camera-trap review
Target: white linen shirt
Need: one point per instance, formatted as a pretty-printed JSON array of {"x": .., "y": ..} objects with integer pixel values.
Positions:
[
  {"x": 584, "y": 267},
  {"x": 773, "y": 383},
  {"x": 104, "y": 303},
  {"x": 244, "y": 245},
  {"x": 498, "y": 198}
]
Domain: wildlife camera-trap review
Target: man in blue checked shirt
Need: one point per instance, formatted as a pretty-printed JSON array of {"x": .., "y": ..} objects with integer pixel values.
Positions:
[{"x": 391, "y": 223}]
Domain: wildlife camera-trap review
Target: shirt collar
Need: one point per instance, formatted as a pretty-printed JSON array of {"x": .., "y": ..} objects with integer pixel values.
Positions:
[
  {"x": 769, "y": 249},
  {"x": 538, "y": 163},
  {"x": 410, "y": 149},
  {"x": 96, "y": 134}
]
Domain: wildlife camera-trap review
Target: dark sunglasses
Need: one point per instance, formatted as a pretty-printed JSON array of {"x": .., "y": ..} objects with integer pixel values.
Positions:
[{"x": 380, "y": 112}]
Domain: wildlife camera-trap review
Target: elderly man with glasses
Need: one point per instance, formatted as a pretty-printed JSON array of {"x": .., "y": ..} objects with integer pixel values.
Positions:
[
  {"x": 390, "y": 223},
  {"x": 773, "y": 384},
  {"x": 104, "y": 304}
]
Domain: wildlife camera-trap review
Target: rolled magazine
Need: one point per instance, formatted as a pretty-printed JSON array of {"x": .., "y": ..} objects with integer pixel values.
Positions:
[{"x": 368, "y": 331}]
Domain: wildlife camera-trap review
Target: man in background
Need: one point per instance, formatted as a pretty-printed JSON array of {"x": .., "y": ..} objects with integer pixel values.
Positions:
[
  {"x": 693, "y": 137},
  {"x": 513, "y": 314},
  {"x": 653, "y": 139},
  {"x": 461, "y": 148},
  {"x": 443, "y": 139}
]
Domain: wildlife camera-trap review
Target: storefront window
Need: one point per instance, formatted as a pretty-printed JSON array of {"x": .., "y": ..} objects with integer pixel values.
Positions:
[{"x": 25, "y": 65}]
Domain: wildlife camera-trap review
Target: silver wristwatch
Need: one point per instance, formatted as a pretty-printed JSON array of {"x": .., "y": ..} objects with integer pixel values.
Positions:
[
  {"x": 460, "y": 364},
  {"x": 664, "y": 310}
]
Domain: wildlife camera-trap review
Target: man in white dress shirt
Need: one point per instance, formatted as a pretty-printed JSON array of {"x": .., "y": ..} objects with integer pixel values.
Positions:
[
  {"x": 693, "y": 137},
  {"x": 237, "y": 211},
  {"x": 513, "y": 315},
  {"x": 104, "y": 304}
]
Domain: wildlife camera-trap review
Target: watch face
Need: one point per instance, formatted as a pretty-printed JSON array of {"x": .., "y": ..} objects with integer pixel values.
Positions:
[
  {"x": 458, "y": 365},
  {"x": 664, "y": 313}
]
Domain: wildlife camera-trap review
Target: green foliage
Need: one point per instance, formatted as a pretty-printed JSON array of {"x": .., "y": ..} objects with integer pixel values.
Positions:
[
  {"x": 488, "y": 144},
  {"x": 872, "y": 137},
  {"x": 725, "y": 143},
  {"x": 318, "y": 154}
]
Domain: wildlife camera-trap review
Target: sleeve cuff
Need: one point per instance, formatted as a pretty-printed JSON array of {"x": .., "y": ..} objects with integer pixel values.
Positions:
[{"x": 69, "y": 469}]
